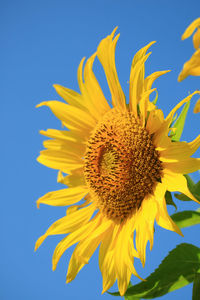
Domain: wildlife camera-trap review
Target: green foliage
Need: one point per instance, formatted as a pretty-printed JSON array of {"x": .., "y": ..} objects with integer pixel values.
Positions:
[
  {"x": 131, "y": 297},
  {"x": 186, "y": 218},
  {"x": 169, "y": 199},
  {"x": 194, "y": 189},
  {"x": 179, "y": 124},
  {"x": 178, "y": 269}
]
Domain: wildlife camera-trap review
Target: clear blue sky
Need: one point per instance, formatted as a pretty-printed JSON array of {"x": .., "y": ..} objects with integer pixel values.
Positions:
[{"x": 42, "y": 43}]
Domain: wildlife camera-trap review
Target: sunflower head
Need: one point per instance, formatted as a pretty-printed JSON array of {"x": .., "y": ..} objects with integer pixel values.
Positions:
[
  {"x": 121, "y": 160},
  {"x": 121, "y": 164}
]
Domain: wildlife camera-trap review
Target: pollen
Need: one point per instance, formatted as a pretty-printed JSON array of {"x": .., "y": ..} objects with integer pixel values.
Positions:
[{"x": 121, "y": 164}]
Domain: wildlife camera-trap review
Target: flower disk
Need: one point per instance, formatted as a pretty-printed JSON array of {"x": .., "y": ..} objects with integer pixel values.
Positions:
[{"x": 121, "y": 164}]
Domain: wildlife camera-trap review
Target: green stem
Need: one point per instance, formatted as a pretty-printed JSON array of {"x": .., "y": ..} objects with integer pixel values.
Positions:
[{"x": 196, "y": 287}]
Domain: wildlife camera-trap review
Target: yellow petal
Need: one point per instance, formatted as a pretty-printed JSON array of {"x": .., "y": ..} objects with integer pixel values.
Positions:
[
  {"x": 191, "y": 67},
  {"x": 144, "y": 225},
  {"x": 63, "y": 135},
  {"x": 106, "y": 257},
  {"x": 63, "y": 197},
  {"x": 72, "y": 117},
  {"x": 159, "y": 211},
  {"x": 123, "y": 281},
  {"x": 197, "y": 107},
  {"x": 108, "y": 274},
  {"x": 137, "y": 85},
  {"x": 91, "y": 92},
  {"x": 148, "y": 82},
  {"x": 180, "y": 150},
  {"x": 155, "y": 120},
  {"x": 71, "y": 97},
  {"x": 90, "y": 231},
  {"x": 196, "y": 39},
  {"x": 137, "y": 81},
  {"x": 123, "y": 256},
  {"x": 186, "y": 166},
  {"x": 160, "y": 137},
  {"x": 175, "y": 182},
  {"x": 74, "y": 148},
  {"x": 68, "y": 223},
  {"x": 106, "y": 55},
  {"x": 140, "y": 54},
  {"x": 60, "y": 160},
  {"x": 72, "y": 209},
  {"x": 74, "y": 180},
  {"x": 144, "y": 105},
  {"x": 81, "y": 84},
  {"x": 163, "y": 219},
  {"x": 190, "y": 29},
  {"x": 108, "y": 239},
  {"x": 98, "y": 104},
  {"x": 81, "y": 255},
  {"x": 185, "y": 100}
]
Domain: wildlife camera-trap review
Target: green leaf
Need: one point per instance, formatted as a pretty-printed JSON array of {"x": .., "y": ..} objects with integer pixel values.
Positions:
[
  {"x": 194, "y": 189},
  {"x": 176, "y": 270},
  {"x": 131, "y": 297},
  {"x": 186, "y": 218},
  {"x": 196, "y": 287},
  {"x": 182, "y": 197},
  {"x": 179, "y": 124},
  {"x": 169, "y": 200},
  {"x": 190, "y": 183},
  {"x": 197, "y": 190}
]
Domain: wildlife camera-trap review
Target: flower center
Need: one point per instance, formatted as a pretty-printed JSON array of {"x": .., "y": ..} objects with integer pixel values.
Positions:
[{"x": 121, "y": 164}]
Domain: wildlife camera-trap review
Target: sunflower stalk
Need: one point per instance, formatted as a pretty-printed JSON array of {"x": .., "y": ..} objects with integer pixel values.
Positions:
[{"x": 196, "y": 287}]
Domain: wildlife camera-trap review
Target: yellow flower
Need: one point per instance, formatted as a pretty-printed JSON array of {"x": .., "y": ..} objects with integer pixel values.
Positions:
[
  {"x": 197, "y": 107},
  {"x": 121, "y": 160},
  {"x": 192, "y": 66},
  {"x": 190, "y": 30}
]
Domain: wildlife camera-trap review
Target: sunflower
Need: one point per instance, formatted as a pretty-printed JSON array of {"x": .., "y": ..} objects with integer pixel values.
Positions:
[
  {"x": 192, "y": 66},
  {"x": 120, "y": 160},
  {"x": 197, "y": 107}
]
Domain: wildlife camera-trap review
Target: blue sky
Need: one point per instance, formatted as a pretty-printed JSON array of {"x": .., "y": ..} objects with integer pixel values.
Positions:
[{"x": 42, "y": 43}]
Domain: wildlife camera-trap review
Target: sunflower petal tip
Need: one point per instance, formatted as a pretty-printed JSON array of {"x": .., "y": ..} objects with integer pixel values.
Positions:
[
  {"x": 38, "y": 159},
  {"x": 83, "y": 59},
  {"x": 181, "y": 77},
  {"x": 41, "y": 104},
  {"x": 143, "y": 264},
  {"x": 113, "y": 32},
  {"x": 68, "y": 280},
  {"x": 180, "y": 232},
  {"x": 151, "y": 43},
  {"x": 177, "y": 230},
  {"x": 56, "y": 86},
  {"x": 53, "y": 266},
  {"x": 36, "y": 246},
  {"x": 38, "y": 204},
  {"x": 40, "y": 241}
]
